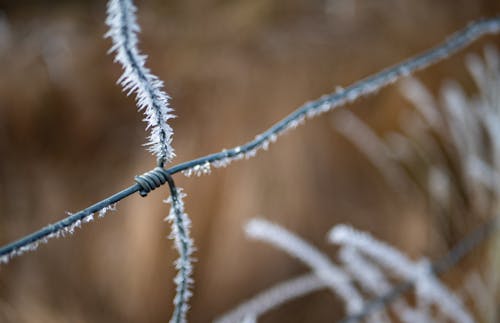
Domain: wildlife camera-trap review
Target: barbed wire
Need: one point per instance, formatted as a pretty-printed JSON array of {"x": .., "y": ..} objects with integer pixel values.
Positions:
[
  {"x": 311, "y": 109},
  {"x": 439, "y": 267}
]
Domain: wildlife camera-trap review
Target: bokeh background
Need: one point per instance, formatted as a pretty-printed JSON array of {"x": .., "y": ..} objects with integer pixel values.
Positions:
[{"x": 69, "y": 137}]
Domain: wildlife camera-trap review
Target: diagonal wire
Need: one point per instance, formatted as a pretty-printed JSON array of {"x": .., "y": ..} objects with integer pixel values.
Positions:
[
  {"x": 326, "y": 103},
  {"x": 439, "y": 267}
]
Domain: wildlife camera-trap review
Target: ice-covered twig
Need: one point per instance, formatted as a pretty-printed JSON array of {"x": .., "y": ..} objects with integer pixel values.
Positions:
[
  {"x": 421, "y": 273},
  {"x": 369, "y": 277},
  {"x": 181, "y": 225},
  {"x": 464, "y": 247},
  {"x": 274, "y": 297},
  {"x": 332, "y": 275},
  {"x": 384, "y": 254},
  {"x": 375, "y": 281},
  {"x": 137, "y": 78}
]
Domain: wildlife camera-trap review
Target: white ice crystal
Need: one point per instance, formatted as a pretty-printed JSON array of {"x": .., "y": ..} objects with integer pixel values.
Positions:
[
  {"x": 137, "y": 78},
  {"x": 106, "y": 209},
  {"x": 198, "y": 170}
]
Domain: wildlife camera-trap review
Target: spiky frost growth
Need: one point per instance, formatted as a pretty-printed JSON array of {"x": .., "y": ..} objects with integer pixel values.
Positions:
[
  {"x": 272, "y": 298},
  {"x": 428, "y": 287},
  {"x": 331, "y": 274},
  {"x": 181, "y": 225},
  {"x": 137, "y": 78}
]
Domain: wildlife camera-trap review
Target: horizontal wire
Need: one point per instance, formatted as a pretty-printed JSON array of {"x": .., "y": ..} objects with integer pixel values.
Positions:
[
  {"x": 365, "y": 86},
  {"x": 439, "y": 267}
]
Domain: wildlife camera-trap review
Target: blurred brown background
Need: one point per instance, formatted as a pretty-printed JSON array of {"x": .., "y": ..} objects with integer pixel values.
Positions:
[{"x": 69, "y": 137}]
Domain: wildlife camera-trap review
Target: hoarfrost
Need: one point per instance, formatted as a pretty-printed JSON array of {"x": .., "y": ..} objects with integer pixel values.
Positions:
[
  {"x": 332, "y": 275},
  {"x": 62, "y": 231},
  {"x": 272, "y": 298},
  {"x": 429, "y": 288},
  {"x": 137, "y": 78}
]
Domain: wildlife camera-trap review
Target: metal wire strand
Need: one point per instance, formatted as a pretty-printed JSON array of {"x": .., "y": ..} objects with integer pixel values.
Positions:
[
  {"x": 365, "y": 86},
  {"x": 152, "y": 180}
]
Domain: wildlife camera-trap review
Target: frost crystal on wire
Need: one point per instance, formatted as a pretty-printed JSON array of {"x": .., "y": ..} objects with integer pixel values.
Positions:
[
  {"x": 137, "y": 78},
  {"x": 61, "y": 231},
  {"x": 198, "y": 170},
  {"x": 105, "y": 210},
  {"x": 184, "y": 244}
]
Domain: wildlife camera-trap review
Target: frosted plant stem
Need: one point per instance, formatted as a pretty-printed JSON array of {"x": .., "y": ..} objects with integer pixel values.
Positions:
[
  {"x": 464, "y": 247},
  {"x": 421, "y": 273},
  {"x": 137, "y": 78},
  {"x": 370, "y": 277},
  {"x": 273, "y": 297},
  {"x": 185, "y": 247},
  {"x": 333, "y": 276},
  {"x": 369, "y": 85}
]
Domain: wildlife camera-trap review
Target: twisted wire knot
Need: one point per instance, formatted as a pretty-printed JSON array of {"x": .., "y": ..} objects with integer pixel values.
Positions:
[{"x": 152, "y": 180}]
